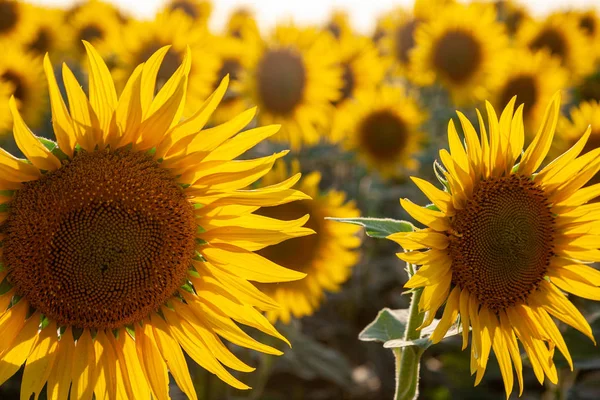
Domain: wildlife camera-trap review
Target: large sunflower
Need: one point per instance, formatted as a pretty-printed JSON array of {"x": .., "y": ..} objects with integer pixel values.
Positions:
[
  {"x": 294, "y": 77},
  {"x": 142, "y": 38},
  {"x": 560, "y": 34},
  {"x": 132, "y": 239},
  {"x": 506, "y": 240},
  {"x": 533, "y": 77},
  {"x": 463, "y": 48},
  {"x": 23, "y": 72},
  {"x": 327, "y": 257},
  {"x": 198, "y": 10},
  {"x": 364, "y": 70},
  {"x": 383, "y": 127}
]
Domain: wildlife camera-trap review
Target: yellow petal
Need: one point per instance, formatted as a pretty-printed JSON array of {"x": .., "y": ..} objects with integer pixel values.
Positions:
[
  {"x": 152, "y": 363},
  {"x": 106, "y": 360},
  {"x": 449, "y": 316},
  {"x": 133, "y": 372},
  {"x": 420, "y": 240},
  {"x": 149, "y": 73},
  {"x": 85, "y": 122},
  {"x": 12, "y": 167},
  {"x": 456, "y": 148},
  {"x": 488, "y": 322},
  {"x": 11, "y": 323},
  {"x": 173, "y": 356},
  {"x": 569, "y": 283},
  {"x": 537, "y": 150},
  {"x": 12, "y": 359},
  {"x": 472, "y": 139},
  {"x": 61, "y": 120},
  {"x": 443, "y": 200},
  {"x": 84, "y": 360},
  {"x": 500, "y": 348},
  {"x": 40, "y": 362},
  {"x": 558, "y": 164},
  {"x": 128, "y": 114},
  {"x": 171, "y": 88},
  {"x": 249, "y": 265},
  {"x": 513, "y": 348},
  {"x": 242, "y": 142},
  {"x": 464, "y": 316},
  {"x": 103, "y": 96},
  {"x": 434, "y": 219},
  {"x": 29, "y": 144},
  {"x": 59, "y": 380},
  {"x": 430, "y": 274}
]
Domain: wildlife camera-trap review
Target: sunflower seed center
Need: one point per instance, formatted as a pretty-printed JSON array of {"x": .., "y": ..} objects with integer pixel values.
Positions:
[
  {"x": 457, "y": 56},
  {"x": 504, "y": 241},
  {"x": 383, "y": 134},
  {"x": 101, "y": 242},
  {"x": 281, "y": 77}
]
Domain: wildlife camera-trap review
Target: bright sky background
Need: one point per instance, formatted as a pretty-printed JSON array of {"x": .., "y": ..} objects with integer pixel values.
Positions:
[{"x": 363, "y": 13}]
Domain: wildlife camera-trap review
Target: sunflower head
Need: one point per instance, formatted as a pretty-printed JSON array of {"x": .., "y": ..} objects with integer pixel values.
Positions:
[
  {"x": 15, "y": 24},
  {"x": 505, "y": 240},
  {"x": 327, "y": 257},
  {"x": 533, "y": 77},
  {"x": 580, "y": 117},
  {"x": 294, "y": 77},
  {"x": 560, "y": 35},
  {"x": 463, "y": 49},
  {"x": 6, "y": 90},
  {"x": 198, "y": 10},
  {"x": 132, "y": 239},
  {"x": 50, "y": 33},
  {"x": 22, "y": 71},
  {"x": 142, "y": 38},
  {"x": 383, "y": 127},
  {"x": 339, "y": 24},
  {"x": 512, "y": 14},
  {"x": 242, "y": 25}
]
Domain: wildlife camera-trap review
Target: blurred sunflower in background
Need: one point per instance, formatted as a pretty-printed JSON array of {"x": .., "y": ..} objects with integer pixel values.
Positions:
[
  {"x": 363, "y": 71},
  {"x": 142, "y": 38},
  {"x": 198, "y": 10},
  {"x": 242, "y": 25},
  {"x": 512, "y": 15},
  {"x": 561, "y": 36},
  {"x": 96, "y": 22},
  {"x": 533, "y": 77},
  {"x": 339, "y": 24},
  {"x": 124, "y": 183},
  {"x": 384, "y": 128},
  {"x": 294, "y": 78},
  {"x": 230, "y": 54},
  {"x": 326, "y": 258},
  {"x": 504, "y": 243},
  {"x": 6, "y": 90},
  {"x": 463, "y": 49},
  {"x": 14, "y": 22},
  {"x": 22, "y": 71},
  {"x": 589, "y": 23},
  {"x": 50, "y": 34},
  {"x": 580, "y": 117}
]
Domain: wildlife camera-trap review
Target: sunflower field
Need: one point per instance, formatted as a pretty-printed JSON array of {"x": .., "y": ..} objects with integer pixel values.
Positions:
[{"x": 300, "y": 212}]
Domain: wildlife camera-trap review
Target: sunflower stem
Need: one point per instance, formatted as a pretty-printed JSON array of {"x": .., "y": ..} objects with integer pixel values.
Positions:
[{"x": 408, "y": 358}]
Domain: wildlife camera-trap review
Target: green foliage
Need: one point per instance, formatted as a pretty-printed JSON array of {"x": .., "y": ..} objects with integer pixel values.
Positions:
[{"x": 379, "y": 228}]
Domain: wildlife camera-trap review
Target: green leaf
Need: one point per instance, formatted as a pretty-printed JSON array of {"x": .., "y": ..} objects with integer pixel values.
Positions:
[
  {"x": 423, "y": 342},
  {"x": 49, "y": 144},
  {"x": 389, "y": 324},
  {"x": 378, "y": 227}
]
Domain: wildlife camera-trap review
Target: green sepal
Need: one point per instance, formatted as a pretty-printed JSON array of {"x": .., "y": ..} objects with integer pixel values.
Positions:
[
  {"x": 184, "y": 185},
  {"x": 15, "y": 299},
  {"x": 7, "y": 193},
  {"x": 45, "y": 322},
  {"x": 151, "y": 152},
  {"x": 5, "y": 286},
  {"x": 440, "y": 173},
  {"x": 2, "y": 267},
  {"x": 193, "y": 273},
  {"x": 378, "y": 227},
  {"x": 432, "y": 207},
  {"x": 200, "y": 229},
  {"x": 48, "y": 144},
  {"x": 201, "y": 242},
  {"x": 198, "y": 206},
  {"x": 188, "y": 287},
  {"x": 4, "y": 207},
  {"x": 131, "y": 330},
  {"x": 199, "y": 257}
]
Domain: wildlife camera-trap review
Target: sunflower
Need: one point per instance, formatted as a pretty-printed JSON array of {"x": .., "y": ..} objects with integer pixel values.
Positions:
[
  {"x": 6, "y": 90},
  {"x": 463, "y": 48},
  {"x": 533, "y": 77},
  {"x": 231, "y": 54},
  {"x": 512, "y": 15},
  {"x": 294, "y": 77},
  {"x": 383, "y": 126},
  {"x": 560, "y": 34},
  {"x": 327, "y": 258},
  {"x": 580, "y": 117},
  {"x": 198, "y": 10},
  {"x": 242, "y": 25},
  {"x": 364, "y": 70},
  {"x": 339, "y": 24},
  {"x": 399, "y": 38},
  {"x": 589, "y": 23},
  {"x": 14, "y": 22},
  {"x": 23, "y": 72},
  {"x": 504, "y": 242},
  {"x": 142, "y": 38},
  {"x": 90, "y": 294},
  {"x": 96, "y": 22},
  {"x": 50, "y": 34}
]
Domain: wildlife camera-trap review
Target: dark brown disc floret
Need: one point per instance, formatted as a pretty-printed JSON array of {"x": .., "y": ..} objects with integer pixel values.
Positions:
[
  {"x": 503, "y": 241},
  {"x": 102, "y": 242},
  {"x": 281, "y": 80},
  {"x": 383, "y": 135},
  {"x": 524, "y": 87},
  {"x": 551, "y": 40},
  {"x": 457, "y": 56}
]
